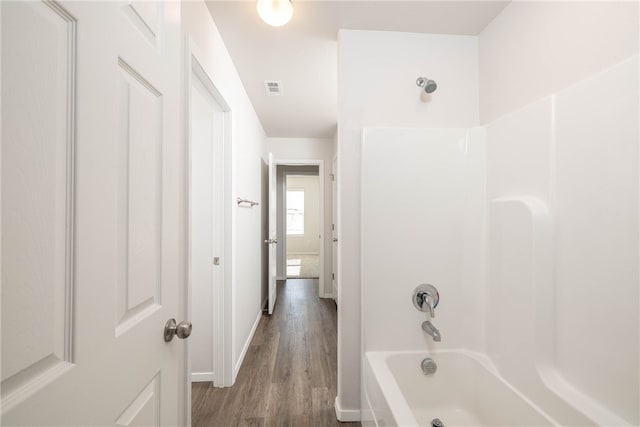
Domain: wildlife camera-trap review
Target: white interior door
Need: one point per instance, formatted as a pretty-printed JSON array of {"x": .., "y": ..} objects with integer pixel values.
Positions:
[
  {"x": 272, "y": 241},
  {"x": 91, "y": 211}
]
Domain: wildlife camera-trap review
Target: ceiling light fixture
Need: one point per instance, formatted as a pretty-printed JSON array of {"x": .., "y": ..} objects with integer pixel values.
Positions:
[{"x": 275, "y": 12}]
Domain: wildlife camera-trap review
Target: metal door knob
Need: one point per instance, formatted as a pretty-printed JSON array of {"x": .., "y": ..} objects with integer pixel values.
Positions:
[
  {"x": 335, "y": 239},
  {"x": 271, "y": 241},
  {"x": 182, "y": 330}
]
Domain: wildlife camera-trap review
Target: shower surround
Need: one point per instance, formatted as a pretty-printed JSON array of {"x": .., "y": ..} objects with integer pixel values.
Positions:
[{"x": 528, "y": 227}]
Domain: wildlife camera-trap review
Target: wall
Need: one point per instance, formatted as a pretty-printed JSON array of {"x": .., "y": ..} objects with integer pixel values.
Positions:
[
  {"x": 307, "y": 243},
  {"x": 533, "y": 49},
  {"x": 311, "y": 149},
  {"x": 248, "y": 139},
  {"x": 376, "y": 87},
  {"x": 430, "y": 204},
  {"x": 559, "y": 92}
]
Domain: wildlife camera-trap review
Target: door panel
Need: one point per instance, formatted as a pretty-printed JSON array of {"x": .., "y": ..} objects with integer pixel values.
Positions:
[
  {"x": 146, "y": 16},
  {"x": 37, "y": 215},
  {"x": 140, "y": 191},
  {"x": 91, "y": 181},
  {"x": 145, "y": 408}
]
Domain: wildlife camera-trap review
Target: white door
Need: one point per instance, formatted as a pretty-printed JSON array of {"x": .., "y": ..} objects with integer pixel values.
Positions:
[
  {"x": 91, "y": 212},
  {"x": 334, "y": 228},
  {"x": 272, "y": 241}
]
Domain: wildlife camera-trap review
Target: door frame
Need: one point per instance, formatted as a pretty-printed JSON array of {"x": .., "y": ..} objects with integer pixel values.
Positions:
[
  {"x": 223, "y": 216},
  {"x": 321, "y": 195},
  {"x": 335, "y": 229}
]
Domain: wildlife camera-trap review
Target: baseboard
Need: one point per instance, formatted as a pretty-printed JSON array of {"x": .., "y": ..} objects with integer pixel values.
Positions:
[
  {"x": 201, "y": 377},
  {"x": 236, "y": 369},
  {"x": 345, "y": 415},
  {"x": 327, "y": 295}
]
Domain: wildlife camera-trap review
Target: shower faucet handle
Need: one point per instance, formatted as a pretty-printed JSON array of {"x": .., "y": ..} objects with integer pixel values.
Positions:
[{"x": 426, "y": 298}]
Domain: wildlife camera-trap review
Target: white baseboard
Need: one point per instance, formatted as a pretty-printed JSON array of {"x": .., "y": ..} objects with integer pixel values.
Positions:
[
  {"x": 236, "y": 369},
  {"x": 346, "y": 415},
  {"x": 201, "y": 377}
]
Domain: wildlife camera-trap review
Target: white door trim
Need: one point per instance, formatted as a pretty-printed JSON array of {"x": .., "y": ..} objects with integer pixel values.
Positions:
[
  {"x": 334, "y": 232},
  {"x": 223, "y": 214},
  {"x": 321, "y": 177}
]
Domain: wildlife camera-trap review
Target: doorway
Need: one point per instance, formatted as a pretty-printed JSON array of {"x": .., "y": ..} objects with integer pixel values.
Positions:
[
  {"x": 202, "y": 234},
  {"x": 300, "y": 221},
  {"x": 302, "y": 225},
  {"x": 208, "y": 126}
]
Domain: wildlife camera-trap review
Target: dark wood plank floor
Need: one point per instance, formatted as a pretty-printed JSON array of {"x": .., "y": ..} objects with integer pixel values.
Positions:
[{"x": 288, "y": 377}]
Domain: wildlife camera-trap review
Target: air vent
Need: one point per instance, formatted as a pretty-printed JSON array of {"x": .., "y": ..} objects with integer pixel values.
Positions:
[{"x": 273, "y": 87}]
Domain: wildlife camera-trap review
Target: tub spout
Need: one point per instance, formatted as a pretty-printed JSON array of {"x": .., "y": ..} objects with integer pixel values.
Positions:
[{"x": 428, "y": 327}]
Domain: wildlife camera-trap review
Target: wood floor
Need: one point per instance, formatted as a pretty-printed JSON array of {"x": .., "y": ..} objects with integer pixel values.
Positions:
[{"x": 289, "y": 373}]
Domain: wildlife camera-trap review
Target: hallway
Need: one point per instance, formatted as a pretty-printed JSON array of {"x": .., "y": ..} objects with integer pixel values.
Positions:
[{"x": 288, "y": 377}]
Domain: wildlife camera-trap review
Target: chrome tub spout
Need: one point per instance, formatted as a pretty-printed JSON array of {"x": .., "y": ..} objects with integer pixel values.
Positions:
[{"x": 428, "y": 327}]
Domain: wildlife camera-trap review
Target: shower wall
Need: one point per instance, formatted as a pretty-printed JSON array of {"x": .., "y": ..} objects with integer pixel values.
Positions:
[
  {"x": 531, "y": 239},
  {"x": 422, "y": 222},
  {"x": 377, "y": 71},
  {"x": 559, "y": 97},
  {"x": 550, "y": 327}
]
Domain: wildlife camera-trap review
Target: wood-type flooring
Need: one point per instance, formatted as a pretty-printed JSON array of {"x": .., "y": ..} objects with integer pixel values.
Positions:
[{"x": 288, "y": 377}]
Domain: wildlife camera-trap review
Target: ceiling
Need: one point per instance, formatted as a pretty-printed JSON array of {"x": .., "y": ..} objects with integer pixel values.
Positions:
[{"x": 303, "y": 53}]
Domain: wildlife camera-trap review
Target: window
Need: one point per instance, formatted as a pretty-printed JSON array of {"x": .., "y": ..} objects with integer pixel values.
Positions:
[{"x": 295, "y": 212}]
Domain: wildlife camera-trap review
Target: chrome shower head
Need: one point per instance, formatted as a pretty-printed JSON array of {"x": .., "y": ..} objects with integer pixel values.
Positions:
[{"x": 429, "y": 85}]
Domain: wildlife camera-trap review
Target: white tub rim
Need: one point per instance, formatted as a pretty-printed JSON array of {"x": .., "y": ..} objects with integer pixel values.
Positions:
[{"x": 399, "y": 407}]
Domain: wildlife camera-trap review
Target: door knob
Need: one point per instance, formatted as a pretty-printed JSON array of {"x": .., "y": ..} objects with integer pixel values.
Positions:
[
  {"x": 270, "y": 241},
  {"x": 335, "y": 239},
  {"x": 182, "y": 330}
]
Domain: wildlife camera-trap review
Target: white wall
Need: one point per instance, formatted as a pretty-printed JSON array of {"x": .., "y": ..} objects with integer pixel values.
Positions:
[
  {"x": 307, "y": 243},
  {"x": 248, "y": 139},
  {"x": 533, "y": 49},
  {"x": 429, "y": 205},
  {"x": 376, "y": 88},
  {"x": 559, "y": 91},
  {"x": 311, "y": 149}
]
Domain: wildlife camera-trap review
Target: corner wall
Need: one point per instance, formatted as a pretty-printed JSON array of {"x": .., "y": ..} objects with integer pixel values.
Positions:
[
  {"x": 248, "y": 139},
  {"x": 376, "y": 88}
]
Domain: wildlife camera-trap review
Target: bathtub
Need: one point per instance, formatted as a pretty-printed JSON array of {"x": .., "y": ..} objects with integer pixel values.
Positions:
[{"x": 465, "y": 391}]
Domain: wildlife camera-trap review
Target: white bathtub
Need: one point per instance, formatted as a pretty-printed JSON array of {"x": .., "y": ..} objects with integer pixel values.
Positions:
[{"x": 465, "y": 391}]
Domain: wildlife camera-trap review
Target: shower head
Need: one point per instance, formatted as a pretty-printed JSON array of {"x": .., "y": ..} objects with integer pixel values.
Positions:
[{"x": 429, "y": 85}]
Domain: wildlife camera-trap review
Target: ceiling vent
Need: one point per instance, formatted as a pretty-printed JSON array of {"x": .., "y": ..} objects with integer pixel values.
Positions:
[{"x": 273, "y": 87}]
